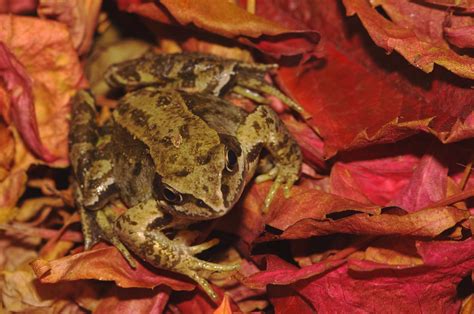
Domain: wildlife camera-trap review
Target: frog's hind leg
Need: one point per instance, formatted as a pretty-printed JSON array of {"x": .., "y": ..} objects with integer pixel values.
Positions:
[
  {"x": 83, "y": 134},
  {"x": 140, "y": 228}
]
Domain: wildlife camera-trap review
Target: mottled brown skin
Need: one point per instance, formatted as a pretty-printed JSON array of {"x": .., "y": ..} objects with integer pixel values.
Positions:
[
  {"x": 173, "y": 157},
  {"x": 197, "y": 72}
]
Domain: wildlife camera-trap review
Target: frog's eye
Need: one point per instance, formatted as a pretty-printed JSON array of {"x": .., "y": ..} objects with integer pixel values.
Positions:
[
  {"x": 171, "y": 195},
  {"x": 231, "y": 160}
]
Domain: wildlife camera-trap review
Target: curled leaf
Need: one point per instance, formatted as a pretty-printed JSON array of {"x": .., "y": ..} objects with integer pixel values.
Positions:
[
  {"x": 229, "y": 20},
  {"x": 362, "y": 284},
  {"x": 49, "y": 76},
  {"x": 462, "y": 37},
  {"x": 104, "y": 264},
  {"x": 19, "y": 84},
  {"x": 414, "y": 44},
  {"x": 79, "y": 16}
]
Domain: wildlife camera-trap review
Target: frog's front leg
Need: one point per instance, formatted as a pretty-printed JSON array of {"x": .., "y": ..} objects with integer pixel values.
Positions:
[
  {"x": 91, "y": 153},
  {"x": 91, "y": 158},
  {"x": 250, "y": 86},
  {"x": 263, "y": 128},
  {"x": 140, "y": 228}
]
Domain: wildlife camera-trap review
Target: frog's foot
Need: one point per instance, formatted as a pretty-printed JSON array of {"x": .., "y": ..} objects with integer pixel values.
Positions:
[
  {"x": 193, "y": 267},
  {"x": 140, "y": 229},
  {"x": 280, "y": 175},
  {"x": 252, "y": 84},
  {"x": 250, "y": 94}
]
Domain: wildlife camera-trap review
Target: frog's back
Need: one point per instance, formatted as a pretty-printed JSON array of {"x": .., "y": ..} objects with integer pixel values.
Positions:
[{"x": 185, "y": 135}]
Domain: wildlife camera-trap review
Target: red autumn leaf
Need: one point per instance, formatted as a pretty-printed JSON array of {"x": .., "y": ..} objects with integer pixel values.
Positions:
[
  {"x": 277, "y": 272},
  {"x": 466, "y": 5},
  {"x": 284, "y": 298},
  {"x": 17, "y": 6},
  {"x": 427, "y": 185},
  {"x": 308, "y": 202},
  {"x": 227, "y": 19},
  {"x": 426, "y": 223},
  {"x": 395, "y": 174},
  {"x": 198, "y": 302},
  {"x": 372, "y": 181},
  {"x": 107, "y": 264},
  {"x": 377, "y": 174},
  {"x": 430, "y": 287},
  {"x": 121, "y": 300},
  {"x": 410, "y": 33},
  {"x": 462, "y": 37},
  {"x": 373, "y": 103}
]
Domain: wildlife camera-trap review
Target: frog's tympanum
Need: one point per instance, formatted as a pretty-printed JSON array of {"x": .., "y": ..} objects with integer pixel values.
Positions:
[{"x": 175, "y": 152}]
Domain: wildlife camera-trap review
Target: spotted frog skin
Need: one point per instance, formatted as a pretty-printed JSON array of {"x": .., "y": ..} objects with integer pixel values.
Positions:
[{"x": 174, "y": 152}]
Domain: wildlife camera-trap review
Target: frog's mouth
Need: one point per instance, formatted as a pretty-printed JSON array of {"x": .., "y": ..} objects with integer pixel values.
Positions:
[{"x": 190, "y": 210}]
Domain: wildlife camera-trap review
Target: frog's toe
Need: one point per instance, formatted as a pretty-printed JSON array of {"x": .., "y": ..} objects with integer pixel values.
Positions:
[
  {"x": 196, "y": 265},
  {"x": 204, "y": 284},
  {"x": 203, "y": 265},
  {"x": 271, "y": 175},
  {"x": 196, "y": 249},
  {"x": 285, "y": 178}
]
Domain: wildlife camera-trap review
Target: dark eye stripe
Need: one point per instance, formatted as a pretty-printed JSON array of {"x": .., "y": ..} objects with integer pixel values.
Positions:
[{"x": 159, "y": 190}]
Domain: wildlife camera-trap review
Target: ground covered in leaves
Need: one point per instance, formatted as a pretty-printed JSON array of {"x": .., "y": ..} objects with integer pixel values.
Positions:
[{"x": 381, "y": 218}]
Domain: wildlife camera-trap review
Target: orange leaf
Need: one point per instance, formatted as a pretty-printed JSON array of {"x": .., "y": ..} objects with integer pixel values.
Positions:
[
  {"x": 225, "y": 307},
  {"x": 45, "y": 50},
  {"x": 107, "y": 264}
]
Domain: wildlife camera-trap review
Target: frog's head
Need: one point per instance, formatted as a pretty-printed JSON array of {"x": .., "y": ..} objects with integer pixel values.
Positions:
[{"x": 202, "y": 184}]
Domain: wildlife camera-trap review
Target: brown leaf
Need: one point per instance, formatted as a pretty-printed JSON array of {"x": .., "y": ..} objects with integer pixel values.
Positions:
[
  {"x": 11, "y": 190},
  {"x": 80, "y": 17}
]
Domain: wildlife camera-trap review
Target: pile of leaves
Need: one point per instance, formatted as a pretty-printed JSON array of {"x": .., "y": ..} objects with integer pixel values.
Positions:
[{"x": 380, "y": 220}]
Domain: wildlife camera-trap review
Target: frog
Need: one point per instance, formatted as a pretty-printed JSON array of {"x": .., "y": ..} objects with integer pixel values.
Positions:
[
  {"x": 173, "y": 157},
  {"x": 200, "y": 72}
]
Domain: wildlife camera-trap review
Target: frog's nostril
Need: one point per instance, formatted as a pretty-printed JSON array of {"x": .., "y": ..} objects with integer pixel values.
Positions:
[{"x": 200, "y": 203}]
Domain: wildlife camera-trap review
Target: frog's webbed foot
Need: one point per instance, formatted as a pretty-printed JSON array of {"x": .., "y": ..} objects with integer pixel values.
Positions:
[
  {"x": 140, "y": 229},
  {"x": 194, "y": 267},
  {"x": 281, "y": 175}
]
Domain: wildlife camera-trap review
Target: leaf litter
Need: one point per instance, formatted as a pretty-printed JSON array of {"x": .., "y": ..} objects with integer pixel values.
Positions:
[{"x": 381, "y": 219}]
